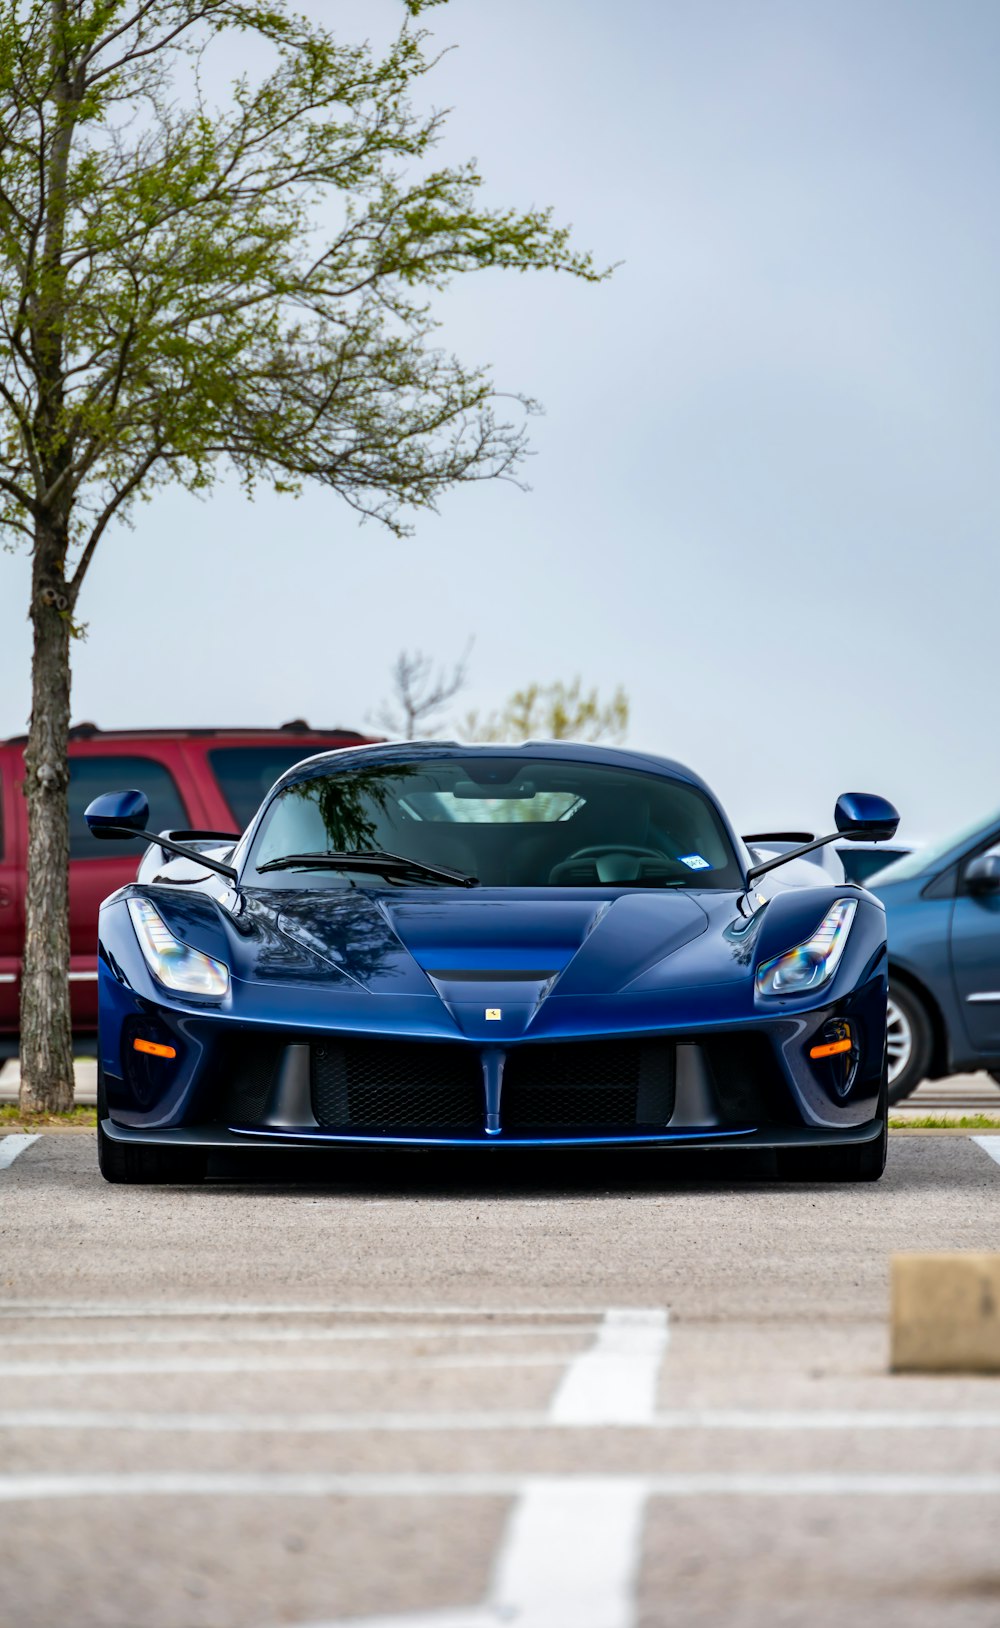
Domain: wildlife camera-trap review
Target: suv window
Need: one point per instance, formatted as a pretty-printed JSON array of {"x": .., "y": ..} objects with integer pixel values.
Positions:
[
  {"x": 89, "y": 776},
  {"x": 245, "y": 773}
]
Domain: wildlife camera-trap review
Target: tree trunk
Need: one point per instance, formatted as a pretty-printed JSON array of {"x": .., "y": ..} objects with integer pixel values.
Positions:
[{"x": 46, "y": 1035}]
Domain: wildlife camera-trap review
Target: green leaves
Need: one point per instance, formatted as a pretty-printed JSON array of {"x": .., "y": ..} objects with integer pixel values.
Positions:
[
  {"x": 554, "y": 712},
  {"x": 184, "y": 287}
]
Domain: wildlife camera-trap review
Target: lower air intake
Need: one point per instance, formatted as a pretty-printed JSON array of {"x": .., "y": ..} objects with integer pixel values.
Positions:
[
  {"x": 594, "y": 1085},
  {"x": 374, "y": 1085},
  {"x": 245, "y": 1072}
]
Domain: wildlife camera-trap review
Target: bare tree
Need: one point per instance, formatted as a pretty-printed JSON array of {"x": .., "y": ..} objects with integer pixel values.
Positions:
[{"x": 420, "y": 692}]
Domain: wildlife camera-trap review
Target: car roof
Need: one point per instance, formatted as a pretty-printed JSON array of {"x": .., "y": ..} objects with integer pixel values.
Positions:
[{"x": 390, "y": 752}]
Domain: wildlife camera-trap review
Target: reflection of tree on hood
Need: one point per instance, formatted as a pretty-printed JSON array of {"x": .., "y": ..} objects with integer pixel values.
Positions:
[{"x": 305, "y": 933}]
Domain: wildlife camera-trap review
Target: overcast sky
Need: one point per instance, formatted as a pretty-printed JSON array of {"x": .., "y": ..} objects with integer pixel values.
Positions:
[{"x": 765, "y": 497}]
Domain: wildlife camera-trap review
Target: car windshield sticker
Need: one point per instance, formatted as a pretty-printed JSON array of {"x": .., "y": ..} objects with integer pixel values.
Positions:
[{"x": 694, "y": 862}]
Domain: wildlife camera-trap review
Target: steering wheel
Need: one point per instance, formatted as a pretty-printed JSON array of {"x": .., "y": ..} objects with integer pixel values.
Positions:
[{"x": 622, "y": 851}]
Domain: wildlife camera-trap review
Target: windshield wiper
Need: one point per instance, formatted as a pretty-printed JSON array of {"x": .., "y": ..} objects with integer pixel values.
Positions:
[{"x": 364, "y": 859}]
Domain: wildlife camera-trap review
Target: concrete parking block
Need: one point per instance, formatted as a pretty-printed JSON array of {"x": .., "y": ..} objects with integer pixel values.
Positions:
[{"x": 945, "y": 1314}]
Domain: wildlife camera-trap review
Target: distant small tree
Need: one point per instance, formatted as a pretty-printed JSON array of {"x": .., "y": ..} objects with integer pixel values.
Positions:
[
  {"x": 420, "y": 692},
  {"x": 185, "y": 287},
  {"x": 554, "y": 712}
]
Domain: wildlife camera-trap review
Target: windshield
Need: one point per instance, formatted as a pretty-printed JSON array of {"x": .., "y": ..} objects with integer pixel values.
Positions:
[
  {"x": 509, "y": 823},
  {"x": 926, "y": 859}
]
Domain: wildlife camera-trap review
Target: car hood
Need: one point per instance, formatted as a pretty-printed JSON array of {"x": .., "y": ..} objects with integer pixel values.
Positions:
[
  {"x": 463, "y": 945},
  {"x": 448, "y": 960}
]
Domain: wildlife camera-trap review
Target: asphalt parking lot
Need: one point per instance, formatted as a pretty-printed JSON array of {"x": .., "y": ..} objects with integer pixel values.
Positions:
[{"x": 612, "y": 1394}]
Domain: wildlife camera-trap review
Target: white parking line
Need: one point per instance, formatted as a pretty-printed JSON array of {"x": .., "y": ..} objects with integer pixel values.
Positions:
[
  {"x": 835, "y": 1419},
  {"x": 991, "y": 1144},
  {"x": 571, "y": 1554},
  {"x": 306, "y": 1424},
  {"x": 290, "y": 1364},
  {"x": 73, "y": 1309},
  {"x": 569, "y": 1559},
  {"x": 11, "y": 1146},
  {"x": 342, "y": 1333},
  {"x": 31, "y": 1486},
  {"x": 615, "y": 1381},
  {"x": 790, "y": 1420}
]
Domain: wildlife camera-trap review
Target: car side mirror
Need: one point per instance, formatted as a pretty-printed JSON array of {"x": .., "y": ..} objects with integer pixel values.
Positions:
[
  {"x": 117, "y": 812},
  {"x": 860, "y": 816},
  {"x": 982, "y": 874}
]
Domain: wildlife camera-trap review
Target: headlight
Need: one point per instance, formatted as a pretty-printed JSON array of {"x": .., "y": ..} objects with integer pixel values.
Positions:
[
  {"x": 813, "y": 963},
  {"x": 176, "y": 965}
]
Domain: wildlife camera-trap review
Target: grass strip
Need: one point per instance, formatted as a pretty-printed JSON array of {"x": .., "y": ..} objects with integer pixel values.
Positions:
[
  {"x": 12, "y": 1119},
  {"x": 942, "y": 1122}
]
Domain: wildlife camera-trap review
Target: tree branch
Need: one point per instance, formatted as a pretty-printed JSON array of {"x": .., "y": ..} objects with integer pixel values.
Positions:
[{"x": 120, "y": 498}]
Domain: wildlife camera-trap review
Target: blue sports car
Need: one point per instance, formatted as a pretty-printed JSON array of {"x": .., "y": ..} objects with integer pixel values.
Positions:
[{"x": 488, "y": 948}]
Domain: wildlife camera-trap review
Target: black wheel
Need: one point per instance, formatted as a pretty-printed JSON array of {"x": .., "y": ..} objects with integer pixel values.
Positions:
[
  {"x": 136, "y": 1165},
  {"x": 909, "y": 1040},
  {"x": 863, "y": 1163}
]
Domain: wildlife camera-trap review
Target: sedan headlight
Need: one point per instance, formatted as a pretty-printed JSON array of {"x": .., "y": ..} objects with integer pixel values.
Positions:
[
  {"x": 174, "y": 964},
  {"x": 813, "y": 963}
]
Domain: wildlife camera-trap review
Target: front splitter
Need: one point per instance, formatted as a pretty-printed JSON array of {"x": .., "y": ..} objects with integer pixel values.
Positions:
[{"x": 229, "y": 1138}]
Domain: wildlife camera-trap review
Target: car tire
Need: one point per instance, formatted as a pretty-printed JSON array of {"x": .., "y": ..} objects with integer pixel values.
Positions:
[
  {"x": 865, "y": 1162},
  {"x": 910, "y": 1041},
  {"x": 131, "y": 1164}
]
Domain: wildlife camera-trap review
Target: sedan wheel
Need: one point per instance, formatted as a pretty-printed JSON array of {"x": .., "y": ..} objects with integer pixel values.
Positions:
[
  {"x": 898, "y": 1040},
  {"x": 908, "y": 1042}
]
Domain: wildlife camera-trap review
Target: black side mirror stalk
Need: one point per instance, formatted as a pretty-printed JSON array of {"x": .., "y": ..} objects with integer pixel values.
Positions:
[
  {"x": 794, "y": 853},
  {"x": 860, "y": 816},
  {"x": 172, "y": 847}
]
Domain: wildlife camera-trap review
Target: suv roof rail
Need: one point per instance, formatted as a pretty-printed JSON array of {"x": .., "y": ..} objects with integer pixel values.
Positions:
[{"x": 297, "y": 726}]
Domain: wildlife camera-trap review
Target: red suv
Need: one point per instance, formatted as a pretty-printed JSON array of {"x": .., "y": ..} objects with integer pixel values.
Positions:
[{"x": 206, "y": 779}]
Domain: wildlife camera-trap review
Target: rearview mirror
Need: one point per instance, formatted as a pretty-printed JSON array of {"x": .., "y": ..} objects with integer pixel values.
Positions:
[
  {"x": 982, "y": 874},
  {"x": 860, "y": 816},
  {"x": 107, "y": 815},
  {"x": 483, "y": 791}
]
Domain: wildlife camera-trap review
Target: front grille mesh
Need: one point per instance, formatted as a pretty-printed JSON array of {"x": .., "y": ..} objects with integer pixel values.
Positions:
[
  {"x": 387, "y": 1085},
  {"x": 599, "y": 1083},
  {"x": 558, "y": 1087},
  {"x": 247, "y": 1068}
]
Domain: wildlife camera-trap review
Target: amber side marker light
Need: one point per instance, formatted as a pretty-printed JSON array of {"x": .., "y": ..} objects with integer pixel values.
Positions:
[
  {"x": 151, "y": 1048},
  {"x": 833, "y": 1048}
]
